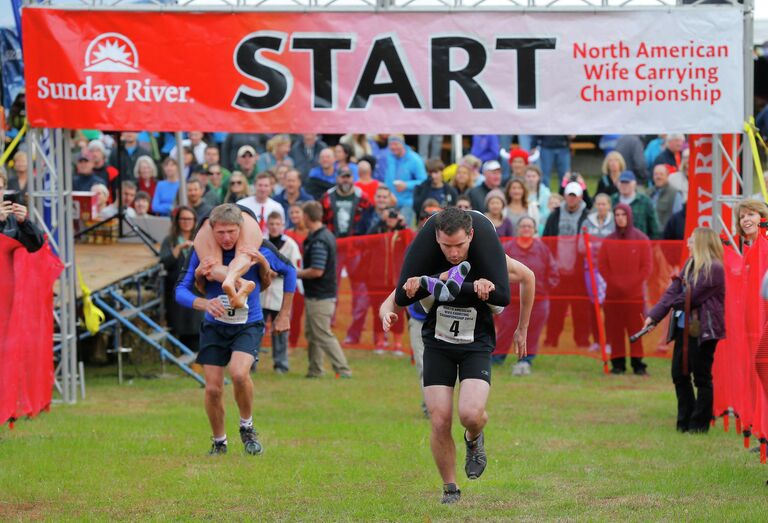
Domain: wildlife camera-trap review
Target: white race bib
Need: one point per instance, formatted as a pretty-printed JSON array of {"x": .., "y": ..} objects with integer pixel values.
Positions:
[
  {"x": 232, "y": 316},
  {"x": 455, "y": 324}
]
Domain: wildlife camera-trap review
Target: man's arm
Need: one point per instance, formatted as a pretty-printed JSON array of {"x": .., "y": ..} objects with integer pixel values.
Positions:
[
  {"x": 187, "y": 298},
  {"x": 388, "y": 312},
  {"x": 284, "y": 268}
]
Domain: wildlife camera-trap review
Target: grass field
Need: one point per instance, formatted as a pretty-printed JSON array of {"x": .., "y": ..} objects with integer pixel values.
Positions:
[{"x": 567, "y": 443}]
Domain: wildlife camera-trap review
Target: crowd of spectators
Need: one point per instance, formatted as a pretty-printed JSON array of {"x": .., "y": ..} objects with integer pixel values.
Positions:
[{"x": 370, "y": 184}]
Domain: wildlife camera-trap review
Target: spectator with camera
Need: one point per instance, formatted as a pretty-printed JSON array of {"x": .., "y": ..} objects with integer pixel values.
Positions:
[
  {"x": 14, "y": 219},
  {"x": 574, "y": 177}
]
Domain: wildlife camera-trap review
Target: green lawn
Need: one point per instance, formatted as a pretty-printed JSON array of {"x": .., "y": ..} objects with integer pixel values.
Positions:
[{"x": 566, "y": 443}]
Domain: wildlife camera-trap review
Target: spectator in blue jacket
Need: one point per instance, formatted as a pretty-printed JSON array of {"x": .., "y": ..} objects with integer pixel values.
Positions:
[{"x": 405, "y": 170}]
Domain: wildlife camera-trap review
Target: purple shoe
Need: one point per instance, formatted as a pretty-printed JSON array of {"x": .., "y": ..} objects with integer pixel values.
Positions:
[
  {"x": 436, "y": 288},
  {"x": 456, "y": 276}
]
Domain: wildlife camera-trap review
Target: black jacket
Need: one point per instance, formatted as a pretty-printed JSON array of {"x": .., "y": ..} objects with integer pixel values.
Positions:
[
  {"x": 421, "y": 193},
  {"x": 553, "y": 222},
  {"x": 27, "y": 233}
]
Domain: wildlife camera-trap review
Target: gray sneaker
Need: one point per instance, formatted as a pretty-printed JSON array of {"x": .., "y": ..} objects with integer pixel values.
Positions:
[
  {"x": 476, "y": 458},
  {"x": 451, "y": 494},
  {"x": 218, "y": 449},
  {"x": 251, "y": 441}
]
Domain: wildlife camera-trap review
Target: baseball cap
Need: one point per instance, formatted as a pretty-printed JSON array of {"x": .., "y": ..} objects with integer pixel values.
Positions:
[
  {"x": 574, "y": 188},
  {"x": 246, "y": 149},
  {"x": 627, "y": 176},
  {"x": 491, "y": 165}
]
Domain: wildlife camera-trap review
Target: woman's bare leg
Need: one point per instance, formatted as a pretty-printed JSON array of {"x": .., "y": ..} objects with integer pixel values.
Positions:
[
  {"x": 231, "y": 277},
  {"x": 248, "y": 244}
]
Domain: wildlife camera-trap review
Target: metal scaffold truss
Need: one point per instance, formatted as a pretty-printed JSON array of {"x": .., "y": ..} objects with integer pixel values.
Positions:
[{"x": 50, "y": 150}]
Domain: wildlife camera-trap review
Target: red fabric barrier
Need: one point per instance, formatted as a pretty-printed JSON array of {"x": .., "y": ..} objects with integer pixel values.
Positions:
[
  {"x": 372, "y": 265},
  {"x": 26, "y": 329},
  {"x": 740, "y": 377}
]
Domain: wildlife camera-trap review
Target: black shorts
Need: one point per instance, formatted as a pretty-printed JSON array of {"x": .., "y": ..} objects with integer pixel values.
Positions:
[
  {"x": 218, "y": 342},
  {"x": 441, "y": 366}
]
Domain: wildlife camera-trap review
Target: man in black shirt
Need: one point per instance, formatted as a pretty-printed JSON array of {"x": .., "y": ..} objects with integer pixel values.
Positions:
[
  {"x": 459, "y": 337},
  {"x": 319, "y": 276}
]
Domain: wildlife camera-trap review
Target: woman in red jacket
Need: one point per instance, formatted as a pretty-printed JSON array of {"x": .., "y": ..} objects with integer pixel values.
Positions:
[
  {"x": 625, "y": 264},
  {"x": 700, "y": 291}
]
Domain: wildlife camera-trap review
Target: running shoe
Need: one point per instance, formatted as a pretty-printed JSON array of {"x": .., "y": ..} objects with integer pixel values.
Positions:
[
  {"x": 218, "y": 448},
  {"x": 476, "y": 458},
  {"x": 456, "y": 275},
  {"x": 451, "y": 494},
  {"x": 436, "y": 288},
  {"x": 250, "y": 440}
]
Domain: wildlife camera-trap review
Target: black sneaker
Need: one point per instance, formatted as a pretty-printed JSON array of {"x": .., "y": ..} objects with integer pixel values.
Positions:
[
  {"x": 451, "y": 494},
  {"x": 476, "y": 459},
  {"x": 251, "y": 441},
  {"x": 617, "y": 370},
  {"x": 218, "y": 448}
]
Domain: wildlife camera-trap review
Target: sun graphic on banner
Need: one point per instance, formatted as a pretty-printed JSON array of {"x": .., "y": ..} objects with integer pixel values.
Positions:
[{"x": 111, "y": 53}]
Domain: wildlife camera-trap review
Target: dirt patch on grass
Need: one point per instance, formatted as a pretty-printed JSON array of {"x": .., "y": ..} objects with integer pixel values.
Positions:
[{"x": 25, "y": 510}]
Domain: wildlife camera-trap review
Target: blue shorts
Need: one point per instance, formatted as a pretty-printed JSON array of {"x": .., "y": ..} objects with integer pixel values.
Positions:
[{"x": 218, "y": 342}]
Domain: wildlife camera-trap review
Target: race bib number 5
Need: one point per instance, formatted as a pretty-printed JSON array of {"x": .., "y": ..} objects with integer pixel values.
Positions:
[
  {"x": 455, "y": 324},
  {"x": 232, "y": 316}
]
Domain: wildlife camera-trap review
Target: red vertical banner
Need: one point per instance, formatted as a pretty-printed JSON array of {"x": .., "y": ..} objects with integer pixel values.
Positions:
[
  {"x": 701, "y": 167},
  {"x": 26, "y": 329}
]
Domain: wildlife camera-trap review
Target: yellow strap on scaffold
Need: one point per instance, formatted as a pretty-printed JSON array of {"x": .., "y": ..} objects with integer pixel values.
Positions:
[
  {"x": 13, "y": 145},
  {"x": 92, "y": 315},
  {"x": 750, "y": 128}
]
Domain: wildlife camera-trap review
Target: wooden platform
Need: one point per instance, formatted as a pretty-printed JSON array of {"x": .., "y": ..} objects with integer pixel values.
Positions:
[{"x": 103, "y": 265}]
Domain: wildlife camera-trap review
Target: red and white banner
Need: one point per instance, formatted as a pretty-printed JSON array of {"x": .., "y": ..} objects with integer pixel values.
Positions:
[
  {"x": 678, "y": 70},
  {"x": 701, "y": 165}
]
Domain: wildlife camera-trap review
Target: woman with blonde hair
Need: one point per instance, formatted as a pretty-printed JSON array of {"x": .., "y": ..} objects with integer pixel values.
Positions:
[
  {"x": 102, "y": 195},
  {"x": 463, "y": 181},
  {"x": 278, "y": 148},
  {"x": 697, "y": 300},
  {"x": 750, "y": 213},
  {"x": 360, "y": 144},
  {"x": 613, "y": 165}
]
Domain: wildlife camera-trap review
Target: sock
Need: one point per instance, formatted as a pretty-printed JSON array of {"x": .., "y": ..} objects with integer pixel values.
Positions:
[
  {"x": 246, "y": 422},
  {"x": 456, "y": 275},
  {"x": 222, "y": 439},
  {"x": 436, "y": 288}
]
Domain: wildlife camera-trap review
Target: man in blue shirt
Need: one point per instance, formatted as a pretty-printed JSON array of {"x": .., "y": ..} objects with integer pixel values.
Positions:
[
  {"x": 405, "y": 171},
  {"x": 229, "y": 337}
]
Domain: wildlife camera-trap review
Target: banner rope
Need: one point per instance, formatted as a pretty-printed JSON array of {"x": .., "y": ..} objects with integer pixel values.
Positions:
[
  {"x": 750, "y": 128},
  {"x": 14, "y": 143}
]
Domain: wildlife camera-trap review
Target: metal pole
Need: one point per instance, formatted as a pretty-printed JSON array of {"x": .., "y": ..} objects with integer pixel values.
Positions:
[
  {"x": 182, "y": 178},
  {"x": 717, "y": 181},
  {"x": 457, "y": 148},
  {"x": 747, "y": 171}
]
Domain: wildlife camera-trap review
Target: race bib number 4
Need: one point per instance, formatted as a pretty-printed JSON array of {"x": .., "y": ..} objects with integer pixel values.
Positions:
[
  {"x": 455, "y": 324},
  {"x": 232, "y": 316}
]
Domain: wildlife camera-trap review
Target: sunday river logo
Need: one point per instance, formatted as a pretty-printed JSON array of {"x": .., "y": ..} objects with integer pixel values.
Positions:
[{"x": 112, "y": 53}]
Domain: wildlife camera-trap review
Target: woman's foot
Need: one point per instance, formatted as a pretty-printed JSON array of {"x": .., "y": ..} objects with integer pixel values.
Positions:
[
  {"x": 241, "y": 296},
  {"x": 228, "y": 286}
]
